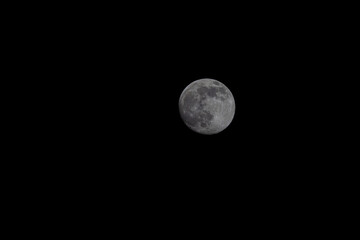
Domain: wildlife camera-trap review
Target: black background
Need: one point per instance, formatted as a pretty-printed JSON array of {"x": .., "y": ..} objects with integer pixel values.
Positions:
[
  {"x": 127, "y": 76},
  {"x": 121, "y": 138}
]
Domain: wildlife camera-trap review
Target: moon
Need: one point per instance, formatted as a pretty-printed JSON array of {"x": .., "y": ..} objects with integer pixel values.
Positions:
[{"x": 207, "y": 106}]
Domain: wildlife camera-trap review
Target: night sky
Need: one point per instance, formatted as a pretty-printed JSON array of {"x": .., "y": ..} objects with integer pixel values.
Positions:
[
  {"x": 125, "y": 75},
  {"x": 134, "y": 76}
]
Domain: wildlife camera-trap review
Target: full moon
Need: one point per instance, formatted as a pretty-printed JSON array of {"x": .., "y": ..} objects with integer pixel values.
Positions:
[{"x": 207, "y": 106}]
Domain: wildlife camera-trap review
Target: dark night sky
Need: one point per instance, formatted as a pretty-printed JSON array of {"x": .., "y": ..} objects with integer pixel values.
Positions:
[
  {"x": 131, "y": 79},
  {"x": 126, "y": 77},
  {"x": 102, "y": 142},
  {"x": 133, "y": 76},
  {"x": 130, "y": 74}
]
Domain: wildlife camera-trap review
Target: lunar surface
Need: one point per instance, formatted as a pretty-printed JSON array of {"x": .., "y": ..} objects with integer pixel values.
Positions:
[{"x": 207, "y": 106}]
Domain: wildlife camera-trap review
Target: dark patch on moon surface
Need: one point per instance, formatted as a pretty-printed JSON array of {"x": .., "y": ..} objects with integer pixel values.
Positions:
[
  {"x": 222, "y": 90},
  {"x": 199, "y": 116},
  {"x": 212, "y": 91},
  {"x": 190, "y": 120},
  {"x": 208, "y": 116},
  {"x": 205, "y": 118},
  {"x": 202, "y": 90},
  {"x": 202, "y": 102},
  {"x": 225, "y": 94}
]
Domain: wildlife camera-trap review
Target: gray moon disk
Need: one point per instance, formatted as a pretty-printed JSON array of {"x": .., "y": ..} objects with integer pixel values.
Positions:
[{"x": 207, "y": 106}]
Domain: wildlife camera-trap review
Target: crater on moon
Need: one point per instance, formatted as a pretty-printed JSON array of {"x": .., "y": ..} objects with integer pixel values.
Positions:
[{"x": 207, "y": 106}]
